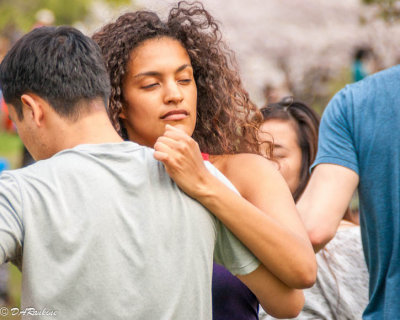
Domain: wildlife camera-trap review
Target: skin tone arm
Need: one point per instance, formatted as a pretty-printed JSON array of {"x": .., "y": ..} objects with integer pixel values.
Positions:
[
  {"x": 325, "y": 201},
  {"x": 284, "y": 251},
  {"x": 286, "y": 239},
  {"x": 277, "y": 299}
]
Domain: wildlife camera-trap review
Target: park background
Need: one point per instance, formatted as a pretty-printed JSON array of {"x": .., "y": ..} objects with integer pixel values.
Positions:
[{"x": 303, "y": 48}]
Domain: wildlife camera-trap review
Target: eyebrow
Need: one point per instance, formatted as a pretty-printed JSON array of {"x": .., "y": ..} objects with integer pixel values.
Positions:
[{"x": 157, "y": 74}]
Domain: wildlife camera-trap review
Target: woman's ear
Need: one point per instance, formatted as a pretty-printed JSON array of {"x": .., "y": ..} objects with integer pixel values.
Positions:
[
  {"x": 122, "y": 115},
  {"x": 32, "y": 108}
]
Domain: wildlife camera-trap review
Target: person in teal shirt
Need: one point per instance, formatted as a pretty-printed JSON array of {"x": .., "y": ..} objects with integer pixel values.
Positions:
[
  {"x": 359, "y": 147},
  {"x": 358, "y": 67}
]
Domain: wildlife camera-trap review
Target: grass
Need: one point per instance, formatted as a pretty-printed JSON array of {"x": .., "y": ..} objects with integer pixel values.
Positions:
[{"x": 11, "y": 148}]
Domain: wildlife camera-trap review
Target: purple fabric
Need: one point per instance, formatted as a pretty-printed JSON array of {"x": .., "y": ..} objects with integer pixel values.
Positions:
[{"x": 231, "y": 299}]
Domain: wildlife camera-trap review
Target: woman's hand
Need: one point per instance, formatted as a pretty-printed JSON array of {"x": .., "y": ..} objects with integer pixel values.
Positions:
[{"x": 182, "y": 159}]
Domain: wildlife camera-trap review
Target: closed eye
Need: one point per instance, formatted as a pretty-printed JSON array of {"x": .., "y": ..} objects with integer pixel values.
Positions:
[
  {"x": 185, "y": 81},
  {"x": 150, "y": 86}
]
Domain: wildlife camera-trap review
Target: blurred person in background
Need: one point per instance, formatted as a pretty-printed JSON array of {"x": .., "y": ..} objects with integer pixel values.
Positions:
[
  {"x": 341, "y": 289},
  {"x": 363, "y": 63},
  {"x": 6, "y": 125},
  {"x": 174, "y": 79}
]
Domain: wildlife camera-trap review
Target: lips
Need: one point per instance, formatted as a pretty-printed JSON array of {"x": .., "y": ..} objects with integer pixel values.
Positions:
[{"x": 175, "y": 115}]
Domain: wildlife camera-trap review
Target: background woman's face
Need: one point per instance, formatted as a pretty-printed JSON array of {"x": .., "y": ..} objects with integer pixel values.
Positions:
[
  {"x": 286, "y": 149},
  {"x": 158, "y": 89}
]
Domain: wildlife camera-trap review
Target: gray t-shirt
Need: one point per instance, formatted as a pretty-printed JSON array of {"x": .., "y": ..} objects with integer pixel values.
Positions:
[
  {"x": 341, "y": 289},
  {"x": 104, "y": 233}
]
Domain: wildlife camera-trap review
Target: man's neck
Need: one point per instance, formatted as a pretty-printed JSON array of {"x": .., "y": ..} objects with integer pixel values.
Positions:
[{"x": 92, "y": 128}]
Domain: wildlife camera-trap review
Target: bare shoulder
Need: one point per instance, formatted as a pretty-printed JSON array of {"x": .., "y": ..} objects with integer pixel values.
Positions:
[{"x": 245, "y": 169}]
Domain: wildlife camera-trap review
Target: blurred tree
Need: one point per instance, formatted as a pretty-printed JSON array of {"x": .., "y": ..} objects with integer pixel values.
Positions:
[{"x": 21, "y": 14}]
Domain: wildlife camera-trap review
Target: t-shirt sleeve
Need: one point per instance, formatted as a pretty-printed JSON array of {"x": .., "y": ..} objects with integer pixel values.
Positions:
[
  {"x": 11, "y": 226},
  {"x": 229, "y": 251},
  {"x": 336, "y": 139},
  {"x": 232, "y": 254}
]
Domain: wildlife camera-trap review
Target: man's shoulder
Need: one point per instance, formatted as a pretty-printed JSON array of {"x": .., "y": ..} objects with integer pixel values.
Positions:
[
  {"x": 372, "y": 92},
  {"x": 85, "y": 157},
  {"x": 387, "y": 78}
]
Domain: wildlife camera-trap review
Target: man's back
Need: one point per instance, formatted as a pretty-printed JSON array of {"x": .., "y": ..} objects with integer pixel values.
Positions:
[
  {"x": 107, "y": 234},
  {"x": 359, "y": 130}
]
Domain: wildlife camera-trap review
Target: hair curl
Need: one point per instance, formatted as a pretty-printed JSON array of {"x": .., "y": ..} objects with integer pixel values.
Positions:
[
  {"x": 306, "y": 123},
  {"x": 227, "y": 120}
]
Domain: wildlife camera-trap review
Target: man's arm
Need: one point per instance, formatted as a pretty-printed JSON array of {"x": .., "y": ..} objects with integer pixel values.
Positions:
[
  {"x": 325, "y": 200},
  {"x": 11, "y": 224}
]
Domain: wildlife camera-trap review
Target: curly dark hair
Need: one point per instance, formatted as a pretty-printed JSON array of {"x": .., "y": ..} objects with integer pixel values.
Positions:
[
  {"x": 227, "y": 120},
  {"x": 307, "y": 124}
]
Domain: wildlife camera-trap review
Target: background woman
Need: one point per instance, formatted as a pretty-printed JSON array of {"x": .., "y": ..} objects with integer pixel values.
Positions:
[{"x": 341, "y": 290}]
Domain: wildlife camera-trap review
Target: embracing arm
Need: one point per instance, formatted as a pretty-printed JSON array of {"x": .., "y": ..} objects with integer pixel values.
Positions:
[
  {"x": 267, "y": 223},
  {"x": 270, "y": 228},
  {"x": 325, "y": 200},
  {"x": 277, "y": 299}
]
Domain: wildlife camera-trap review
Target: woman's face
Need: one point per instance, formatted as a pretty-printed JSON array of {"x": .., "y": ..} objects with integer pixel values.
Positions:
[
  {"x": 286, "y": 149},
  {"x": 158, "y": 89}
]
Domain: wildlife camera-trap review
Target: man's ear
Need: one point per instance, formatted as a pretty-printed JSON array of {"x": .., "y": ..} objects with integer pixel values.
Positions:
[{"x": 33, "y": 108}]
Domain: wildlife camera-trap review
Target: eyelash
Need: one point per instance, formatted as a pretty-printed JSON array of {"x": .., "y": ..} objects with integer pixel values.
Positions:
[
  {"x": 149, "y": 86},
  {"x": 184, "y": 81}
]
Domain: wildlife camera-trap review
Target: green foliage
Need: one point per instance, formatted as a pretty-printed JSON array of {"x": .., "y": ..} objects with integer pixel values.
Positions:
[
  {"x": 15, "y": 281},
  {"x": 20, "y": 14}
]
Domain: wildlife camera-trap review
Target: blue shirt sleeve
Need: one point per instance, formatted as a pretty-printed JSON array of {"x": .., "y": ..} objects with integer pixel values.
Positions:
[
  {"x": 11, "y": 226},
  {"x": 336, "y": 139}
]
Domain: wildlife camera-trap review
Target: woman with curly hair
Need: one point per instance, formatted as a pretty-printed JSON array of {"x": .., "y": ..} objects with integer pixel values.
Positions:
[{"x": 175, "y": 87}]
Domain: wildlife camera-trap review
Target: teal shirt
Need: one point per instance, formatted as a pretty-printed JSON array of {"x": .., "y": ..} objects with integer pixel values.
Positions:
[
  {"x": 360, "y": 130},
  {"x": 358, "y": 71}
]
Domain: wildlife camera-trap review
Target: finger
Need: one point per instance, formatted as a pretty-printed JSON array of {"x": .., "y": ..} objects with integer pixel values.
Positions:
[
  {"x": 179, "y": 135},
  {"x": 171, "y": 142},
  {"x": 171, "y": 131},
  {"x": 160, "y": 156},
  {"x": 172, "y": 128},
  {"x": 162, "y": 147},
  {"x": 180, "y": 143}
]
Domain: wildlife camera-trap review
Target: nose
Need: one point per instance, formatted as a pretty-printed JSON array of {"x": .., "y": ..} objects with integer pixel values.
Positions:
[{"x": 172, "y": 93}]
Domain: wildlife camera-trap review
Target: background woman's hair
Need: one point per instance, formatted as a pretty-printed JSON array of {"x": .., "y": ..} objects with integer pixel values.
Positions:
[
  {"x": 306, "y": 122},
  {"x": 227, "y": 120}
]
